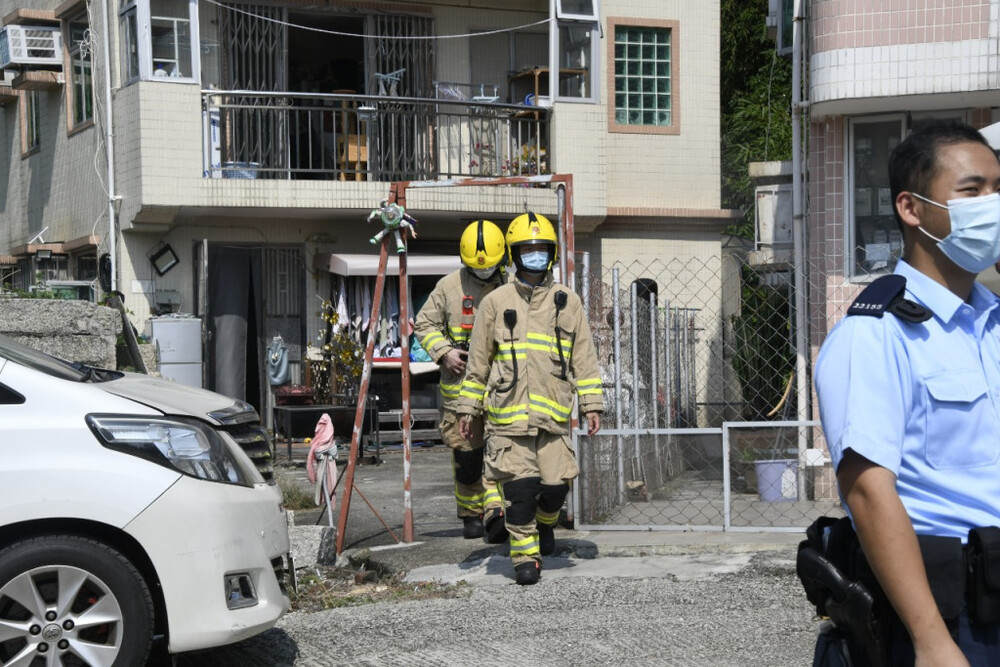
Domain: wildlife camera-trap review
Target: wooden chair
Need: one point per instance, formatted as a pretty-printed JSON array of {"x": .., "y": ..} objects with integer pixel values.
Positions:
[{"x": 352, "y": 145}]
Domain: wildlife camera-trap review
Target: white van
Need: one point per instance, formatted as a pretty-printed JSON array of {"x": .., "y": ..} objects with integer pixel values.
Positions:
[{"x": 128, "y": 512}]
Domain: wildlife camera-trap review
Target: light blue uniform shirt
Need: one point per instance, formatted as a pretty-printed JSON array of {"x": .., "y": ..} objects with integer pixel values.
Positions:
[{"x": 923, "y": 401}]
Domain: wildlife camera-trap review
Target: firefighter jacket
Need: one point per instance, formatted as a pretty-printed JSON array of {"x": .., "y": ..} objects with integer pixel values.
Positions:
[
  {"x": 528, "y": 357},
  {"x": 445, "y": 323}
]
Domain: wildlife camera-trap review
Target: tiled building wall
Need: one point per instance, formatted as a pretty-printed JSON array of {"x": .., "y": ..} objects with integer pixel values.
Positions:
[
  {"x": 907, "y": 47},
  {"x": 683, "y": 169},
  {"x": 59, "y": 186}
]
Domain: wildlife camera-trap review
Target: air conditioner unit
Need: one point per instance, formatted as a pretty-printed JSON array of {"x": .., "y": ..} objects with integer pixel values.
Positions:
[{"x": 22, "y": 45}]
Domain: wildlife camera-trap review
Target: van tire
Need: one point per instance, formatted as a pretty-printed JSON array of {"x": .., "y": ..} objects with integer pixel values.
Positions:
[{"x": 53, "y": 565}]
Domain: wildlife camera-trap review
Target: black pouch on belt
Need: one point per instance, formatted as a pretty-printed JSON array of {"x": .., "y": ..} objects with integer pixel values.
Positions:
[
  {"x": 945, "y": 566},
  {"x": 984, "y": 583}
]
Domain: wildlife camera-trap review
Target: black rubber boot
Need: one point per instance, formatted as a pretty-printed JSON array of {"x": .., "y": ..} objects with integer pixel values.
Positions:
[
  {"x": 546, "y": 540},
  {"x": 496, "y": 527},
  {"x": 527, "y": 574},
  {"x": 473, "y": 528}
]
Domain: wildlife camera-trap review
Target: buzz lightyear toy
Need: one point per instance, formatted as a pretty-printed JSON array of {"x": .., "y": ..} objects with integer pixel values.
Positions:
[{"x": 394, "y": 218}]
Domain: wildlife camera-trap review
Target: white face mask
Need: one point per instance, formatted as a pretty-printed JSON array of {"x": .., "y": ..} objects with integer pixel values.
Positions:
[
  {"x": 484, "y": 274},
  {"x": 974, "y": 241},
  {"x": 536, "y": 260}
]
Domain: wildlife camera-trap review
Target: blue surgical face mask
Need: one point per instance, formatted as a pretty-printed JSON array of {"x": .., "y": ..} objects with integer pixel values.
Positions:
[
  {"x": 974, "y": 241},
  {"x": 536, "y": 260}
]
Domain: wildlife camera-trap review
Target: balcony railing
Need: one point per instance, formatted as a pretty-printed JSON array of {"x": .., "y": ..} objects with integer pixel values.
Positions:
[{"x": 251, "y": 134}]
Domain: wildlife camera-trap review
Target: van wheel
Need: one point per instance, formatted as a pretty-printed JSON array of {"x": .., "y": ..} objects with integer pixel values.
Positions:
[{"x": 70, "y": 600}]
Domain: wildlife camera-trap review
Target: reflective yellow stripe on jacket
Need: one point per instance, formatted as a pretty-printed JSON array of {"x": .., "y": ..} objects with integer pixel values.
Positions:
[
  {"x": 433, "y": 337},
  {"x": 509, "y": 351},
  {"x": 545, "y": 343},
  {"x": 589, "y": 386},
  {"x": 508, "y": 415},
  {"x": 450, "y": 390},
  {"x": 473, "y": 390},
  {"x": 549, "y": 407}
]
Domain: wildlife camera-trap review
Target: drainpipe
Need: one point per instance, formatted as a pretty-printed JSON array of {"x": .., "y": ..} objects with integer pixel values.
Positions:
[
  {"x": 799, "y": 241},
  {"x": 109, "y": 143}
]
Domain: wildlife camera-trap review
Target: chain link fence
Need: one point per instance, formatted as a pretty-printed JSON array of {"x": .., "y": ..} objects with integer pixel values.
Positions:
[{"x": 700, "y": 427}]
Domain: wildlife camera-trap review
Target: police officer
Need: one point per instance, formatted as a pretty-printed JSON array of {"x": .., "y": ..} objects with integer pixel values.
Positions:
[
  {"x": 530, "y": 355},
  {"x": 909, "y": 396},
  {"x": 443, "y": 327}
]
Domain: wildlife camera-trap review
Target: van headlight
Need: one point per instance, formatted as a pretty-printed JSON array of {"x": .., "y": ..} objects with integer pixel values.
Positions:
[{"x": 187, "y": 446}]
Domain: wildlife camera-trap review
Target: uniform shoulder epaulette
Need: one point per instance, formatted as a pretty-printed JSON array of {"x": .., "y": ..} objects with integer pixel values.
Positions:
[{"x": 886, "y": 295}]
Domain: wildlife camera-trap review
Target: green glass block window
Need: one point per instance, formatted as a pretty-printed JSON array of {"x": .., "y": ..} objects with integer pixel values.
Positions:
[{"x": 642, "y": 76}]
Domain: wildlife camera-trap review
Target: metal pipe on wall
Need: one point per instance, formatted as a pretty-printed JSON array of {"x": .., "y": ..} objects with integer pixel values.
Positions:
[
  {"x": 668, "y": 392},
  {"x": 637, "y": 468},
  {"x": 653, "y": 405},
  {"x": 616, "y": 312},
  {"x": 799, "y": 241},
  {"x": 109, "y": 144}
]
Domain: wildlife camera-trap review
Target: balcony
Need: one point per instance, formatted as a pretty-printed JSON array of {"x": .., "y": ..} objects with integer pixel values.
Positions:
[{"x": 335, "y": 137}]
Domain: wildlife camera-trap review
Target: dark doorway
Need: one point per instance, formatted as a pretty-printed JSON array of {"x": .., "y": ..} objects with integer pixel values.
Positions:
[{"x": 235, "y": 323}]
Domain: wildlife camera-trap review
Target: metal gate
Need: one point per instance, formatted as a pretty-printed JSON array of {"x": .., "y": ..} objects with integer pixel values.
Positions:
[
  {"x": 699, "y": 428},
  {"x": 254, "y": 40},
  {"x": 400, "y": 64}
]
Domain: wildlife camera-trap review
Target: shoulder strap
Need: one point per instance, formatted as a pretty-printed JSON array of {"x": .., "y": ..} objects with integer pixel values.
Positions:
[{"x": 886, "y": 294}]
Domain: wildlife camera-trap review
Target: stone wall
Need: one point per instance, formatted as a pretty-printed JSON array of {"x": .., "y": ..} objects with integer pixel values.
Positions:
[{"x": 73, "y": 330}]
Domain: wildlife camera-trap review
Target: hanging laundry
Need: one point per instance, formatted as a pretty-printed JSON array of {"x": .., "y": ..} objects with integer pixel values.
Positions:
[{"x": 343, "y": 319}]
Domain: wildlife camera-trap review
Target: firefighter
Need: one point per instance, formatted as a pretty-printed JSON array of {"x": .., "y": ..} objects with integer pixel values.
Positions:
[
  {"x": 443, "y": 327},
  {"x": 530, "y": 355}
]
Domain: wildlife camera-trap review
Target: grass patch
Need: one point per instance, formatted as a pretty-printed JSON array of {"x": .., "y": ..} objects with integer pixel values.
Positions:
[
  {"x": 334, "y": 587},
  {"x": 294, "y": 496}
]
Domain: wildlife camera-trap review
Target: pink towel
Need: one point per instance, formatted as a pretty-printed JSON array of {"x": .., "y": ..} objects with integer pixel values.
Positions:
[{"x": 322, "y": 441}]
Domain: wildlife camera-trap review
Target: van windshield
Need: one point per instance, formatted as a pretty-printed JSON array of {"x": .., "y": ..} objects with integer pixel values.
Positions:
[{"x": 22, "y": 354}]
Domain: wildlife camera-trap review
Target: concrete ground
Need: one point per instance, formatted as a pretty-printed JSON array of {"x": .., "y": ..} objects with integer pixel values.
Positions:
[{"x": 605, "y": 598}]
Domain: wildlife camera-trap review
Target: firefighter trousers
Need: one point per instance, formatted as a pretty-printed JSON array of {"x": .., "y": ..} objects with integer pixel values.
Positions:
[
  {"x": 534, "y": 473},
  {"x": 474, "y": 495}
]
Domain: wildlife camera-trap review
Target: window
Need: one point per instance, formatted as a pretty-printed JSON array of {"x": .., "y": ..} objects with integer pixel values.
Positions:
[
  {"x": 576, "y": 52},
  {"x": 55, "y": 267},
  {"x": 80, "y": 91},
  {"x": 580, "y": 10},
  {"x": 643, "y": 85},
  {"x": 160, "y": 40},
  {"x": 170, "y": 25},
  {"x": 128, "y": 26},
  {"x": 573, "y": 50},
  {"x": 875, "y": 241},
  {"x": 86, "y": 267},
  {"x": 31, "y": 117}
]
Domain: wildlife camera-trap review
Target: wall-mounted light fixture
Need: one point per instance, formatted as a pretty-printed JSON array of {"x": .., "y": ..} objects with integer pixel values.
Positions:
[
  {"x": 164, "y": 259},
  {"x": 44, "y": 253}
]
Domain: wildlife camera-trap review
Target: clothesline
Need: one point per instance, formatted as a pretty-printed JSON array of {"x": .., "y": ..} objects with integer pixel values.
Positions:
[{"x": 352, "y": 34}]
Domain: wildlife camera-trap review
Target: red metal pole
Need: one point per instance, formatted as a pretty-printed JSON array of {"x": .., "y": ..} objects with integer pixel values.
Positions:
[
  {"x": 397, "y": 195},
  {"x": 359, "y": 415},
  {"x": 567, "y": 223}
]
